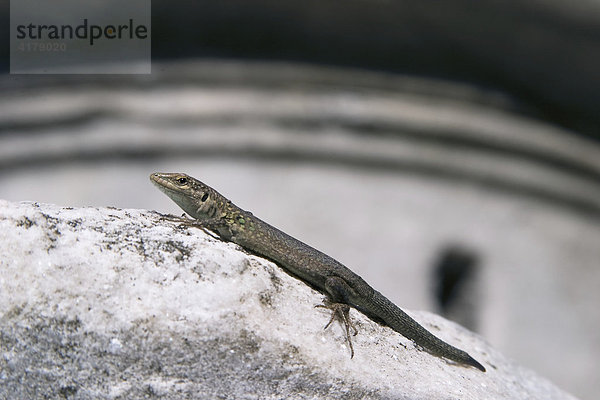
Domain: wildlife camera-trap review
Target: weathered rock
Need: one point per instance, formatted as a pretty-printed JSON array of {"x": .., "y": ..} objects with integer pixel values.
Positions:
[{"x": 117, "y": 304}]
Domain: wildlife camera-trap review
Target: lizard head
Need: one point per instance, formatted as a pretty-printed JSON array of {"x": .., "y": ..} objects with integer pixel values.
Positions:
[{"x": 195, "y": 198}]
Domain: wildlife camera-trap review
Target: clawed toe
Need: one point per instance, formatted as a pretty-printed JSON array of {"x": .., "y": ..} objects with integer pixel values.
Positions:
[
  {"x": 173, "y": 218},
  {"x": 183, "y": 221},
  {"x": 341, "y": 312}
]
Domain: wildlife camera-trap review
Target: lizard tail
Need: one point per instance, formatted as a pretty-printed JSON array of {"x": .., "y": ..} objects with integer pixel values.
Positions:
[{"x": 402, "y": 323}]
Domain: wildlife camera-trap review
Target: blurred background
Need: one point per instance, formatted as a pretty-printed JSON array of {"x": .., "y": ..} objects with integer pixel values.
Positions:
[{"x": 445, "y": 151}]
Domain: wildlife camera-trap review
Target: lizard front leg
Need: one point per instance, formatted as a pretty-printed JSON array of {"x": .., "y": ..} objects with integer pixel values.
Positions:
[{"x": 210, "y": 225}]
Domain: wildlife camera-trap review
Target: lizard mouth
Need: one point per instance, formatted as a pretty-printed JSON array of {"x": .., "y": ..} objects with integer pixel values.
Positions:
[
  {"x": 162, "y": 181},
  {"x": 165, "y": 185}
]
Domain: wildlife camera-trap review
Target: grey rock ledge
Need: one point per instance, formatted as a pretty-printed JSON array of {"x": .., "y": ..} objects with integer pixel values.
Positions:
[{"x": 104, "y": 303}]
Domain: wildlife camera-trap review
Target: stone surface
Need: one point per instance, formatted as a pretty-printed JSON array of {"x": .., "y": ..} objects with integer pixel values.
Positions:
[{"x": 117, "y": 304}]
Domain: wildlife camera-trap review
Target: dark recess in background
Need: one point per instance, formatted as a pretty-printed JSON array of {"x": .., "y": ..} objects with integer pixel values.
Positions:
[
  {"x": 455, "y": 284},
  {"x": 544, "y": 54}
]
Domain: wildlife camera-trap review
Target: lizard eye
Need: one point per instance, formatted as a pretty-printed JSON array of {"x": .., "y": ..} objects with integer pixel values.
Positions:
[
  {"x": 182, "y": 181},
  {"x": 204, "y": 197}
]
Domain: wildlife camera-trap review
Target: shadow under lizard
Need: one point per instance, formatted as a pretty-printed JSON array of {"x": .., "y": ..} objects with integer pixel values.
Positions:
[{"x": 343, "y": 287}]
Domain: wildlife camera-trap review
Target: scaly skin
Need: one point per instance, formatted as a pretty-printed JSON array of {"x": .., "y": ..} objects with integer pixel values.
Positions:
[{"x": 344, "y": 288}]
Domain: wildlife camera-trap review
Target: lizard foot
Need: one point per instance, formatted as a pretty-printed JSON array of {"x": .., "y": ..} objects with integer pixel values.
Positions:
[
  {"x": 185, "y": 222},
  {"x": 341, "y": 312},
  {"x": 183, "y": 219}
]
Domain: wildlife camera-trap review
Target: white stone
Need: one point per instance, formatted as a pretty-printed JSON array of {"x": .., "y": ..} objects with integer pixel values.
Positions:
[{"x": 110, "y": 303}]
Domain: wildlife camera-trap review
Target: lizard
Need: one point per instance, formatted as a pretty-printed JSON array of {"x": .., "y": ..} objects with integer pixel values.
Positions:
[{"x": 342, "y": 287}]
